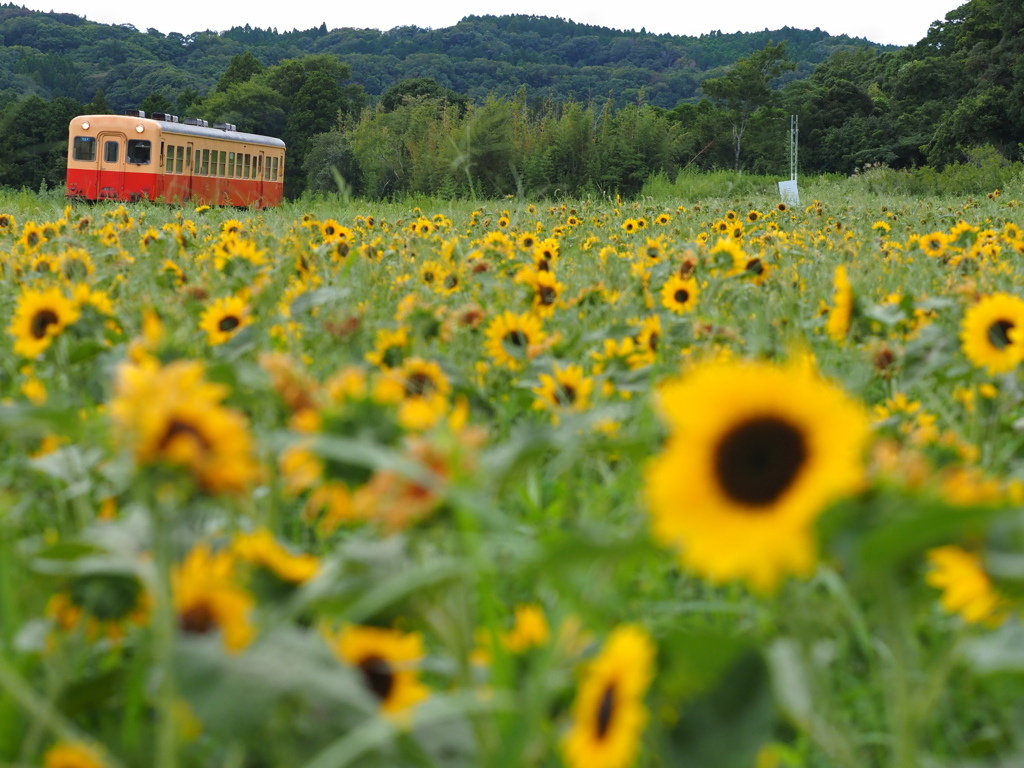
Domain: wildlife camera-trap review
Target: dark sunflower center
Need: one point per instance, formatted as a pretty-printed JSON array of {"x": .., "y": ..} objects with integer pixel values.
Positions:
[
  {"x": 228, "y": 323},
  {"x": 682, "y": 295},
  {"x": 544, "y": 265},
  {"x": 755, "y": 266},
  {"x": 177, "y": 428},
  {"x": 197, "y": 619},
  {"x": 653, "y": 253},
  {"x": 758, "y": 460},
  {"x": 547, "y": 295},
  {"x": 42, "y": 320},
  {"x": 605, "y": 711},
  {"x": 451, "y": 282},
  {"x": 652, "y": 342},
  {"x": 516, "y": 338},
  {"x": 566, "y": 394},
  {"x": 999, "y": 334},
  {"x": 419, "y": 384},
  {"x": 378, "y": 676},
  {"x": 32, "y": 239},
  {"x": 428, "y": 277},
  {"x": 329, "y": 231}
]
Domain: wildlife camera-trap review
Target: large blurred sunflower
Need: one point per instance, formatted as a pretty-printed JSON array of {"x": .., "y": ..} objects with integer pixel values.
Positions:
[
  {"x": 172, "y": 415},
  {"x": 609, "y": 715},
  {"x": 39, "y": 317},
  {"x": 755, "y": 454},
  {"x": 991, "y": 333}
]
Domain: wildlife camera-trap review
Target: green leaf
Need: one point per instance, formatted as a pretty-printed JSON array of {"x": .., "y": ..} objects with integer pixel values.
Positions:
[
  {"x": 317, "y": 298},
  {"x": 234, "y": 694},
  {"x": 728, "y": 725}
]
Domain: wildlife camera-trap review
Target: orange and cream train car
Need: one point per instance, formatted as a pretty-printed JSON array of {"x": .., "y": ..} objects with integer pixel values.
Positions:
[{"x": 132, "y": 157}]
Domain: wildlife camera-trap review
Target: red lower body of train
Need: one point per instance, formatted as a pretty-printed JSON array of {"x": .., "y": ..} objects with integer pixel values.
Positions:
[{"x": 92, "y": 184}]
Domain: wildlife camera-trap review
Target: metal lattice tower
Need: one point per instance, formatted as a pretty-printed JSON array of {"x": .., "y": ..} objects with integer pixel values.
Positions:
[{"x": 794, "y": 149}]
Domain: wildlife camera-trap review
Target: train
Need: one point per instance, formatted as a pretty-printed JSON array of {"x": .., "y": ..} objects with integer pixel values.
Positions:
[{"x": 133, "y": 157}]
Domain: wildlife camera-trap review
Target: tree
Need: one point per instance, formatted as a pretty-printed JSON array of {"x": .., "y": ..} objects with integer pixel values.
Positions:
[
  {"x": 746, "y": 87},
  {"x": 242, "y": 68},
  {"x": 155, "y": 102},
  {"x": 98, "y": 105}
]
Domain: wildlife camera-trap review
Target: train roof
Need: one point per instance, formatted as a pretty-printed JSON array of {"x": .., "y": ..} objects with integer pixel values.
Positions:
[{"x": 191, "y": 130}]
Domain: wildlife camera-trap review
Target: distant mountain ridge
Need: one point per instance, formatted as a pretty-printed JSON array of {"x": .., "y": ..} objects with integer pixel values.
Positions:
[{"x": 61, "y": 54}]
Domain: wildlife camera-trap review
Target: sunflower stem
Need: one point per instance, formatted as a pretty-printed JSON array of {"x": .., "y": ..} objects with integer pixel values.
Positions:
[{"x": 163, "y": 640}]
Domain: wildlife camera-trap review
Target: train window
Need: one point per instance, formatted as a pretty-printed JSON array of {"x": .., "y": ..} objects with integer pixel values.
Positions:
[
  {"x": 247, "y": 171},
  {"x": 204, "y": 169},
  {"x": 188, "y": 157},
  {"x": 139, "y": 151},
  {"x": 179, "y": 162},
  {"x": 223, "y": 163},
  {"x": 170, "y": 158},
  {"x": 259, "y": 167},
  {"x": 273, "y": 173},
  {"x": 111, "y": 151},
  {"x": 85, "y": 149},
  {"x": 266, "y": 170}
]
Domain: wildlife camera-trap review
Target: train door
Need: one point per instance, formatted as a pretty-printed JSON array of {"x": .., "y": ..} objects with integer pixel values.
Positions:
[
  {"x": 110, "y": 177},
  {"x": 260, "y": 159},
  {"x": 189, "y": 166}
]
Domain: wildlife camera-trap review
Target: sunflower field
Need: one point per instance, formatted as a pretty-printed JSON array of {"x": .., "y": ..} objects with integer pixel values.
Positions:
[{"x": 592, "y": 484}]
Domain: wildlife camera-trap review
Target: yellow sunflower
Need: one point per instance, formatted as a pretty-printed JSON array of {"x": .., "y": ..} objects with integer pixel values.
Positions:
[
  {"x": 934, "y": 244},
  {"x": 7, "y": 223},
  {"x": 512, "y": 339},
  {"x": 172, "y": 415},
  {"x": 420, "y": 387},
  {"x": 207, "y": 598},
  {"x": 224, "y": 318},
  {"x": 262, "y": 549},
  {"x": 568, "y": 389},
  {"x": 647, "y": 340},
  {"x": 39, "y": 317},
  {"x": 530, "y": 629},
  {"x": 838, "y": 324},
  {"x": 387, "y": 660},
  {"x": 991, "y": 333},
  {"x": 966, "y": 588},
  {"x": 72, "y": 755},
  {"x": 609, "y": 715},
  {"x": 546, "y": 289},
  {"x": 679, "y": 295},
  {"x": 756, "y": 453}
]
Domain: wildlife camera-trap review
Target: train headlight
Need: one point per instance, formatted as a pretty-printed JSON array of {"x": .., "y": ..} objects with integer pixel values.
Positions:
[
  {"x": 139, "y": 128},
  {"x": 85, "y": 126}
]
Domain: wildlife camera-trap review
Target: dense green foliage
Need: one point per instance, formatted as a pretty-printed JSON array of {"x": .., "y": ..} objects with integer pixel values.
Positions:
[
  {"x": 537, "y": 106},
  {"x": 66, "y": 55}
]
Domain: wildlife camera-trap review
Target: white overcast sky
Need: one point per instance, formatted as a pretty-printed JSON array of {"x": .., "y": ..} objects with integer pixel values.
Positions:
[{"x": 899, "y": 22}]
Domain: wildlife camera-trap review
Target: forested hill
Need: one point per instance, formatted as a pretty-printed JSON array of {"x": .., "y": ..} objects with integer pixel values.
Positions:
[{"x": 64, "y": 55}]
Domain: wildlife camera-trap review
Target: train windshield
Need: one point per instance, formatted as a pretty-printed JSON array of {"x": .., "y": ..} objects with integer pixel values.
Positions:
[
  {"x": 139, "y": 151},
  {"x": 84, "y": 149}
]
